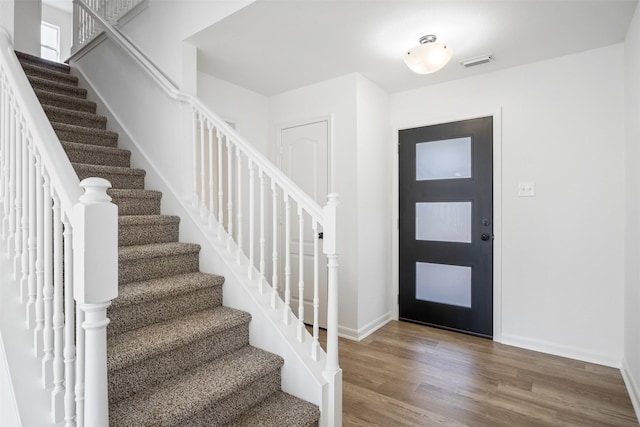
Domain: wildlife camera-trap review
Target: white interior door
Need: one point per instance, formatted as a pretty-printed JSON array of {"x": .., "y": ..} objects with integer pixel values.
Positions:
[{"x": 304, "y": 158}]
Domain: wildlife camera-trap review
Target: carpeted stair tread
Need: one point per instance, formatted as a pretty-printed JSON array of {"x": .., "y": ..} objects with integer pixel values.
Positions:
[
  {"x": 156, "y": 250},
  {"x": 119, "y": 177},
  {"x": 145, "y": 262},
  {"x": 73, "y": 117},
  {"x": 85, "y": 135},
  {"x": 281, "y": 410},
  {"x": 148, "y": 290},
  {"x": 146, "y": 229},
  {"x": 57, "y": 87},
  {"x": 36, "y": 70},
  {"x": 96, "y": 154},
  {"x": 136, "y": 202},
  {"x": 31, "y": 59},
  {"x": 64, "y": 101},
  {"x": 141, "y": 304},
  {"x": 135, "y": 346},
  {"x": 211, "y": 385}
]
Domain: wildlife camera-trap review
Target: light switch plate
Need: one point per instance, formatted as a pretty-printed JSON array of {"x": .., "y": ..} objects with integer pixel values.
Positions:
[{"x": 526, "y": 189}]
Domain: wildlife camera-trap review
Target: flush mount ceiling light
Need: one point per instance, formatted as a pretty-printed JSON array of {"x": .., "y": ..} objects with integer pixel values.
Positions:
[{"x": 429, "y": 56}]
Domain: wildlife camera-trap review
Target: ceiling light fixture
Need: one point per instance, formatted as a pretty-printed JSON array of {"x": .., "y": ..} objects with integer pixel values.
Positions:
[{"x": 429, "y": 56}]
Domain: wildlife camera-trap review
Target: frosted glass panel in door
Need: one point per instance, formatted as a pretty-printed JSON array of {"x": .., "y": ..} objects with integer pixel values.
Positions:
[
  {"x": 443, "y": 221},
  {"x": 444, "y": 284},
  {"x": 446, "y": 159}
]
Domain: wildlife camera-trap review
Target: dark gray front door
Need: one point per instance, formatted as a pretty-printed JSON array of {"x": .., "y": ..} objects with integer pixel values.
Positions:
[{"x": 446, "y": 225}]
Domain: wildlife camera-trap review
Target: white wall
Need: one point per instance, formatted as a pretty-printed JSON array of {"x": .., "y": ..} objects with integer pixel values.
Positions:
[
  {"x": 373, "y": 181},
  {"x": 563, "y": 128},
  {"x": 247, "y": 110},
  {"x": 162, "y": 27},
  {"x": 27, "y": 26},
  {"x": 631, "y": 363},
  {"x": 62, "y": 19},
  {"x": 7, "y": 10}
]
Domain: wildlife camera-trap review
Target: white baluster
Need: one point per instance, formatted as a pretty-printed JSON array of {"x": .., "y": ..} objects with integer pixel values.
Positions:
[
  {"x": 300, "y": 274},
  {"x": 96, "y": 284},
  {"x": 37, "y": 333},
  {"x": 195, "y": 158},
  {"x": 315, "y": 345},
  {"x": 24, "y": 290},
  {"x": 11, "y": 217},
  {"x": 69, "y": 325},
  {"x": 47, "y": 287},
  {"x": 57, "y": 394},
  {"x": 262, "y": 237},
  {"x": 212, "y": 187},
  {"x": 3, "y": 144},
  {"x": 287, "y": 260},
  {"x": 332, "y": 372},
  {"x": 220, "y": 189},
  {"x": 80, "y": 357},
  {"x": 252, "y": 230},
  {"x": 239, "y": 208},
  {"x": 203, "y": 185},
  {"x": 18, "y": 204},
  {"x": 229, "y": 194},
  {"x": 274, "y": 253},
  {"x": 32, "y": 241}
]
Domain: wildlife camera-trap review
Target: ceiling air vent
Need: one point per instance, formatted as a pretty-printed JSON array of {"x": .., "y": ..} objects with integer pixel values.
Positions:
[{"x": 477, "y": 61}]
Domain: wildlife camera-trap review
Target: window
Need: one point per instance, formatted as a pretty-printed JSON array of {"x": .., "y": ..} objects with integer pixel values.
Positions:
[{"x": 49, "y": 41}]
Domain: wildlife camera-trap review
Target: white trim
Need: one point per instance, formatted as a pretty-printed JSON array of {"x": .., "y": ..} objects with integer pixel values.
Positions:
[
  {"x": 366, "y": 330},
  {"x": 9, "y": 412},
  {"x": 632, "y": 386},
  {"x": 497, "y": 208},
  {"x": 561, "y": 350}
]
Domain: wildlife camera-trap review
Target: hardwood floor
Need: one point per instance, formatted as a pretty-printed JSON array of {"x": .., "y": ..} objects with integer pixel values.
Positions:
[{"x": 412, "y": 375}]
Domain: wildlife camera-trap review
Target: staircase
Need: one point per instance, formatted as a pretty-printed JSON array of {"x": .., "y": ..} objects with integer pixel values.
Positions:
[{"x": 176, "y": 355}]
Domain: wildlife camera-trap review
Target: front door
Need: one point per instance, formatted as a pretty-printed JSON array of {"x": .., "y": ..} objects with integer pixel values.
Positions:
[
  {"x": 304, "y": 159},
  {"x": 446, "y": 225}
]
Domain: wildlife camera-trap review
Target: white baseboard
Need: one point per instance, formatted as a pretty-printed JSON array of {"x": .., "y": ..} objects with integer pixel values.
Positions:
[
  {"x": 366, "y": 330},
  {"x": 561, "y": 350},
  {"x": 9, "y": 413},
  {"x": 632, "y": 387}
]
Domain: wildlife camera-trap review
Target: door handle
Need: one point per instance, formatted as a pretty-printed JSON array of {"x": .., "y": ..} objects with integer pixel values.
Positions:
[
  {"x": 486, "y": 236},
  {"x": 321, "y": 235}
]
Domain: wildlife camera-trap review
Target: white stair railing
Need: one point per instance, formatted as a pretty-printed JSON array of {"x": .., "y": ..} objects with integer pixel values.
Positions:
[
  {"x": 63, "y": 248},
  {"x": 222, "y": 161},
  {"x": 86, "y": 28}
]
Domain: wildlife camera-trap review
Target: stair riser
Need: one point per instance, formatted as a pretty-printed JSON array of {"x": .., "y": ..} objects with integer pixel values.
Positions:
[
  {"x": 126, "y": 181},
  {"x": 105, "y": 159},
  {"x": 152, "y": 268},
  {"x": 142, "y": 234},
  {"x": 140, "y": 315},
  {"x": 52, "y": 76},
  {"x": 86, "y": 138},
  {"x": 61, "y": 89},
  {"x": 74, "y": 104},
  {"x": 96, "y": 122},
  {"x": 137, "y": 206},
  {"x": 224, "y": 412},
  {"x": 132, "y": 379}
]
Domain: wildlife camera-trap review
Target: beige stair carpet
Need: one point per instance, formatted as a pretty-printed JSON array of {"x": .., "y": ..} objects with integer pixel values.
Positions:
[{"x": 176, "y": 355}]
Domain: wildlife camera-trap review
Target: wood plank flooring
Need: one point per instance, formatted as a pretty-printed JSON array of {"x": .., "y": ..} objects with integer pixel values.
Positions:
[{"x": 412, "y": 375}]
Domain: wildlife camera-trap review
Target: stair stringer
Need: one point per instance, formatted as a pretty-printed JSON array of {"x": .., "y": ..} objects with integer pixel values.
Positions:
[{"x": 301, "y": 376}]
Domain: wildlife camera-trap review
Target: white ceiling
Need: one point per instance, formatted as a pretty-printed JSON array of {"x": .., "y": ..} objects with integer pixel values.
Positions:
[{"x": 272, "y": 46}]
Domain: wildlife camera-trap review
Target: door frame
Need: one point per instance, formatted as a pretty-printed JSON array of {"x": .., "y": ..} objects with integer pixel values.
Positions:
[{"x": 497, "y": 207}]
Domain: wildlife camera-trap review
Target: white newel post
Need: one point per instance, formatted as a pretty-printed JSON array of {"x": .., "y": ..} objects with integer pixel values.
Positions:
[
  {"x": 332, "y": 372},
  {"x": 95, "y": 267}
]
